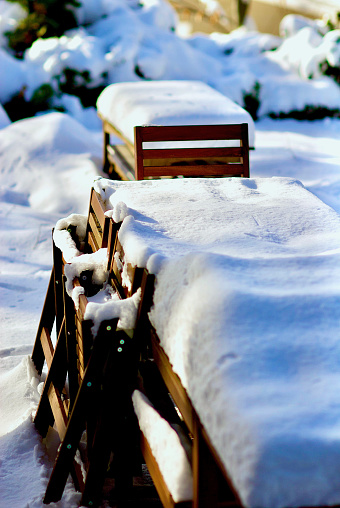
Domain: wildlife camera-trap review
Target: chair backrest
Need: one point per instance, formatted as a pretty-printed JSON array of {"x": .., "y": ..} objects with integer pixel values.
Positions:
[
  {"x": 191, "y": 150},
  {"x": 97, "y": 229}
]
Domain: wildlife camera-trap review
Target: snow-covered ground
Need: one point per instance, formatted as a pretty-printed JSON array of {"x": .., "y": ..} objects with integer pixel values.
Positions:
[{"x": 48, "y": 164}]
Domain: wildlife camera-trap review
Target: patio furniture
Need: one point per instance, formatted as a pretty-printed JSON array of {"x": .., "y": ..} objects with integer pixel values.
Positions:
[
  {"x": 167, "y": 112},
  {"x": 137, "y": 368}
]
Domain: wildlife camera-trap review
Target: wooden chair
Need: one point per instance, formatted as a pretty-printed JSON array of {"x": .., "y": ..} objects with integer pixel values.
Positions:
[
  {"x": 135, "y": 162},
  {"x": 88, "y": 379},
  {"x": 102, "y": 374},
  {"x": 195, "y": 160}
]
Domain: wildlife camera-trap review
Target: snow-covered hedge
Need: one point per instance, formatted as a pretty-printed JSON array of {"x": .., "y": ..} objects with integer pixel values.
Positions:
[{"x": 297, "y": 74}]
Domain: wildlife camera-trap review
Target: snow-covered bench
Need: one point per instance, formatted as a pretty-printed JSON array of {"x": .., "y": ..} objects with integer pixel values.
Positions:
[
  {"x": 244, "y": 329},
  {"x": 179, "y": 121}
]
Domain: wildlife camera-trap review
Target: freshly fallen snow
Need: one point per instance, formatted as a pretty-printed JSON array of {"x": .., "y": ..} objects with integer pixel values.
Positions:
[
  {"x": 250, "y": 305},
  {"x": 96, "y": 263},
  {"x": 166, "y": 217},
  {"x": 63, "y": 239},
  {"x": 126, "y": 105},
  {"x": 113, "y": 307},
  {"x": 47, "y": 166},
  {"x": 118, "y": 41},
  {"x": 166, "y": 448},
  {"x": 308, "y": 151}
]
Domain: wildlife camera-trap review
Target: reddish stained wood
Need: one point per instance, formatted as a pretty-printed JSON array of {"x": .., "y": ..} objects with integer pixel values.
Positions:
[
  {"x": 181, "y": 159},
  {"x": 138, "y": 154},
  {"x": 193, "y": 153},
  {"x": 213, "y": 170},
  {"x": 190, "y": 132}
]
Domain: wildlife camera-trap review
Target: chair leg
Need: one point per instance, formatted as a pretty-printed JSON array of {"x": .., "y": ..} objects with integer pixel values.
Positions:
[
  {"x": 56, "y": 377},
  {"x": 45, "y": 326},
  {"x": 91, "y": 383}
]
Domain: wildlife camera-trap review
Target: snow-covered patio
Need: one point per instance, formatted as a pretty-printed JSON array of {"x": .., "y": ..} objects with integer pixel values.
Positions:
[
  {"x": 262, "y": 278},
  {"x": 32, "y": 203}
]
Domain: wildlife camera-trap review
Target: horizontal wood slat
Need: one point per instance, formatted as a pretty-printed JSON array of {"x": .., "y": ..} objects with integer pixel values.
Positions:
[
  {"x": 215, "y": 170},
  {"x": 191, "y": 132},
  {"x": 199, "y": 161},
  {"x": 193, "y": 153}
]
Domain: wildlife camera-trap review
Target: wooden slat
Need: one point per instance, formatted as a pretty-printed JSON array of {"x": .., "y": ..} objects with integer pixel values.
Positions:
[
  {"x": 56, "y": 375},
  {"x": 98, "y": 208},
  {"x": 216, "y": 170},
  {"x": 111, "y": 129},
  {"x": 77, "y": 419},
  {"x": 193, "y": 153},
  {"x": 120, "y": 166},
  {"x": 58, "y": 410},
  {"x": 125, "y": 152},
  {"x": 96, "y": 234},
  {"x": 173, "y": 383},
  {"x": 112, "y": 239},
  {"x": 47, "y": 346},
  {"x": 191, "y": 132},
  {"x": 93, "y": 246},
  {"x": 81, "y": 369},
  {"x": 188, "y": 162},
  {"x": 139, "y": 154},
  {"x": 82, "y": 305},
  {"x": 46, "y": 321},
  {"x": 156, "y": 475}
]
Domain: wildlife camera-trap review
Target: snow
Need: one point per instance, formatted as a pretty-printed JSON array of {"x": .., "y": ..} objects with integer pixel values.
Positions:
[
  {"x": 113, "y": 307},
  {"x": 48, "y": 165},
  {"x": 63, "y": 239},
  {"x": 126, "y": 105},
  {"x": 250, "y": 305},
  {"x": 166, "y": 448},
  {"x": 268, "y": 264},
  {"x": 119, "y": 41}
]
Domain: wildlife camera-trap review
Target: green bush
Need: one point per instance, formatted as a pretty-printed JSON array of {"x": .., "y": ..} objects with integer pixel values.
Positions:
[{"x": 45, "y": 18}]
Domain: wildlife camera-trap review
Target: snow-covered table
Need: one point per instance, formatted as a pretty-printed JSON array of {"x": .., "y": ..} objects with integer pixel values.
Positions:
[
  {"x": 123, "y": 106},
  {"x": 246, "y": 307}
]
